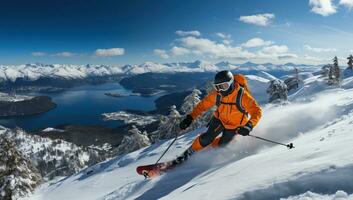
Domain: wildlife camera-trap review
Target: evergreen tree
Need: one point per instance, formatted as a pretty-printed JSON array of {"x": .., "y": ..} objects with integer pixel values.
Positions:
[
  {"x": 191, "y": 101},
  {"x": 330, "y": 75},
  {"x": 134, "y": 141},
  {"x": 337, "y": 71},
  {"x": 292, "y": 82},
  {"x": 169, "y": 126},
  {"x": 334, "y": 72},
  {"x": 296, "y": 73},
  {"x": 209, "y": 86},
  {"x": 350, "y": 62},
  {"x": 277, "y": 91},
  {"x": 325, "y": 70},
  {"x": 18, "y": 176}
]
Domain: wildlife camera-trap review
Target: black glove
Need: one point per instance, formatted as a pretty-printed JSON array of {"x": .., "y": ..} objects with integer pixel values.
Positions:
[
  {"x": 186, "y": 122},
  {"x": 245, "y": 130}
]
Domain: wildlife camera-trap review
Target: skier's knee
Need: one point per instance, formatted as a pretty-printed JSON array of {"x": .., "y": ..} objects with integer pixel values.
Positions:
[
  {"x": 205, "y": 140},
  {"x": 199, "y": 144},
  {"x": 226, "y": 138}
]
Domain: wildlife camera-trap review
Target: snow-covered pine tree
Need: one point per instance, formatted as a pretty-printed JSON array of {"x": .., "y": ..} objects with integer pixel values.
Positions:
[
  {"x": 209, "y": 86},
  {"x": 337, "y": 71},
  {"x": 293, "y": 81},
  {"x": 350, "y": 62},
  {"x": 134, "y": 141},
  {"x": 18, "y": 177},
  {"x": 190, "y": 101},
  {"x": 334, "y": 73},
  {"x": 169, "y": 126},
  {"x": 53, "y": 157},
  {"x": 277, "y": 91},
  {"x": 330, "y": 75},
  {"x": 325, "y": 70}
]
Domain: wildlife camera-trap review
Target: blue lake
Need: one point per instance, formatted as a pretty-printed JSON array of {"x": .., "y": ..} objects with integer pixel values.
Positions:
[{"x": 83, "y": 105}]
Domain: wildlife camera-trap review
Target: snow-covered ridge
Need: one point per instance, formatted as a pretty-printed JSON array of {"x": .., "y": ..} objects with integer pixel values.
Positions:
[
  {"x": 33, "y": 72},
  {"x": 130, "y": 118},
  {"x": 52, "y": 157}
]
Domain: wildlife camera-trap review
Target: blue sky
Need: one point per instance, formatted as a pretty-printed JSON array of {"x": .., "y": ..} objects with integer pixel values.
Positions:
[{"x": 135, "y": 31}]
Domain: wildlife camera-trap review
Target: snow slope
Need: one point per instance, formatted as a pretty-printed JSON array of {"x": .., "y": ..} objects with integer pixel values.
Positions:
[
  {"x": 320, "y": 127},
  {"x": 52, "y": 157}
]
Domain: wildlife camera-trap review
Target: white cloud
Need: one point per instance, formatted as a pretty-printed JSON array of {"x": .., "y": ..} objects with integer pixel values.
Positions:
[
  {"x": 275, "y": 52},
  {"x": 319, "y": 50},
  {"x": 188, "y": 33},
  {"x": 203, "y": 46},
  {"x": 224, "y": 36},
  {"x": 175, "y": 51},
  {"x": 179, "y": 51},
  {"x": 275, "y": 49},
  {"x": 256, "y": 42},
  {"x": 227, "y": 42},
  {"x": 161, "y": 53},
  {"x": 64, "y": 54},
  {"x": 38, "y": 53},
  {"x": 323, "y": 7},
  {"x": 286, "y": 56},
  {"x": 110, "y": 52},
  {"x": 259, "y": 19},
  {"x": 347, "y": 3}
]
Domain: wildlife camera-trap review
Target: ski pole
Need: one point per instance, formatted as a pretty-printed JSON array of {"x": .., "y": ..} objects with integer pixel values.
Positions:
[
  {"x": 176, "y": 137},
  {"x": 290, "y": 145}
]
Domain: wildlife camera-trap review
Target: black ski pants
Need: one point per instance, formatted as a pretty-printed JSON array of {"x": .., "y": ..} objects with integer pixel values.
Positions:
[{"x": 215, "y": 128}]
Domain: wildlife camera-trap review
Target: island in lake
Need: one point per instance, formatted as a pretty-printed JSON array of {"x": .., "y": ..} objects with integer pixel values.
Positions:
[{"x": 20, "y": 105}]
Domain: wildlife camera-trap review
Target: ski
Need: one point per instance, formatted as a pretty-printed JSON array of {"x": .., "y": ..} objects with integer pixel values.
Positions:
[
  {"x": 151, "y": 171},
  {"x": 154, "y": 170}
]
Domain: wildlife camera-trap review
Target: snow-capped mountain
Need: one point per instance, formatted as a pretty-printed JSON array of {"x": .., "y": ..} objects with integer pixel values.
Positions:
[
  {"x": 318, "y": 122},
  {"x": 277, "y": 67},
  {"x": 33, "y": 72}
]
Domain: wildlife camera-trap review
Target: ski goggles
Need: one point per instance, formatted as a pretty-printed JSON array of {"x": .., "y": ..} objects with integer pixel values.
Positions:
[{"x": 223, "y": 86}]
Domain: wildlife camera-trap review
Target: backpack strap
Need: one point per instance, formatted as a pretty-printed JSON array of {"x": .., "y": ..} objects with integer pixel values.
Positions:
[
  {"x": 237, "y": 103},
  {"x": 218, "y": 100},
  {"x": 238, "y": 100}
]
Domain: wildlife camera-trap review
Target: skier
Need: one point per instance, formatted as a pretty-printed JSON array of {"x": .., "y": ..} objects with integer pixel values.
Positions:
[{"x": 234, "y": 102}]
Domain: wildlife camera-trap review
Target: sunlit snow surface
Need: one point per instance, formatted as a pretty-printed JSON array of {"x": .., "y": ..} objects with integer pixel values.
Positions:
[{"x": 320, "y": 124}]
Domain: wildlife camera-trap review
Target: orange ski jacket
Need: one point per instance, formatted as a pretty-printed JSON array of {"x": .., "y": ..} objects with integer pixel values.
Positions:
[{"x": 229, "y": 114}]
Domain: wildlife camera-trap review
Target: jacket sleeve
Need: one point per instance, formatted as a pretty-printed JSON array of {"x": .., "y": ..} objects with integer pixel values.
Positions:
[
  {"x": 205, "y": 104},
  {"x": 252, "y": 107}
]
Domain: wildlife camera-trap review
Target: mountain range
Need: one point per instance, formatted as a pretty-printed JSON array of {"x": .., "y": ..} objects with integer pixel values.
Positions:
[{"x": 34, "y": 72}]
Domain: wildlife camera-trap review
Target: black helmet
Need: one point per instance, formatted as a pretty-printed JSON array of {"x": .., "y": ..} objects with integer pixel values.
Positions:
[{"x": 224, "y": 82}]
